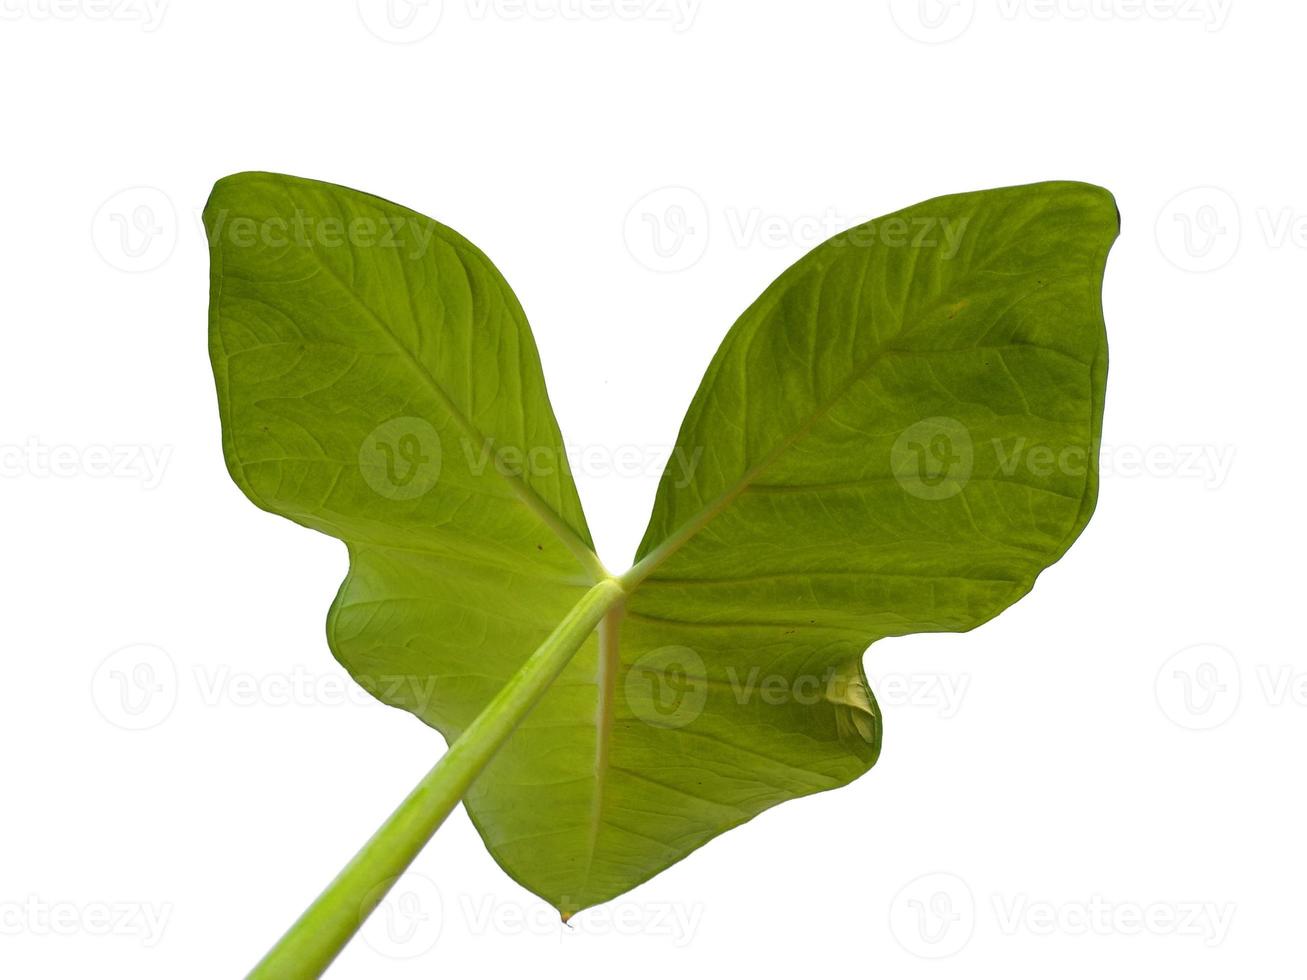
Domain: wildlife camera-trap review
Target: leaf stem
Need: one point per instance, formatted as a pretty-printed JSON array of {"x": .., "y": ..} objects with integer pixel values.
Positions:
[{"x": 310, "y": 945}]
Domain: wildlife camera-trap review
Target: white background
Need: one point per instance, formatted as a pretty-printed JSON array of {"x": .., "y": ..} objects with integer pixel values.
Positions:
[{"x": 1075, "y": 814}]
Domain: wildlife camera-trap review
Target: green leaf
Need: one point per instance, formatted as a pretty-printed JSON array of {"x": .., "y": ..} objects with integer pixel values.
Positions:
[{"x": 897, "y": 437}]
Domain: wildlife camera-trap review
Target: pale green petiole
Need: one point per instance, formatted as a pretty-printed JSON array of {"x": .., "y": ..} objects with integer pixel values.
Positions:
[{"x": 309, "y": 946}]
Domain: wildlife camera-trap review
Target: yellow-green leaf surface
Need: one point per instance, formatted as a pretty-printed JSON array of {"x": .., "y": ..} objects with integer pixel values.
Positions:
[{"x": 897, "y": 437}]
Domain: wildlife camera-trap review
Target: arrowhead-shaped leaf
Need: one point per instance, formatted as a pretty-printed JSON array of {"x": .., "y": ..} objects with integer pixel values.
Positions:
[{"x": 897, "y": 437}]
